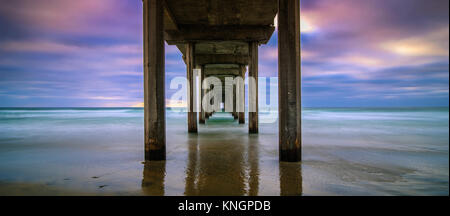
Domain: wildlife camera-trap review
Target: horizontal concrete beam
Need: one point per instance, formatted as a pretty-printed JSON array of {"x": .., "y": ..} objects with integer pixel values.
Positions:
[
  {"x": 221, "y": 78},
  {"x": 222, "y": 47},
  {"x": 222, "y": 71},
  {"x": 226, "y": 66},
  {"x": 221, "y": 59},
  {"x": 198, "y": 33}
]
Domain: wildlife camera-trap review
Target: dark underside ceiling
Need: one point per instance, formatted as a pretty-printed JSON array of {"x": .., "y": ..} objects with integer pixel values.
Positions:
[{"x": 221, "y": 29}]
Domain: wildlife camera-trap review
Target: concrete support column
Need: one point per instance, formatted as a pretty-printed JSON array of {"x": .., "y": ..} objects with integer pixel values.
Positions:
[
  {"x": 212, "y": 101},
  {"x": 154, "y": 98},
  {"x": 192, "y": 115},
  {"x": 202, "y": 111},
  {"x": 228, "y": 96},
  {"x": 235, "y": 115},
  {"x": 208, "y": 104},
  {"x": 289, "y": 80},
  {"x": 242, "y": 100},
  {"x": 224, "y": 89},
  {"x": 253, "y": 88}
]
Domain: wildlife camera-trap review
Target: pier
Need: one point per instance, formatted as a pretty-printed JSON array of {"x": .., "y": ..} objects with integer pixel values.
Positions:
[{"x": 221, "y": 38}]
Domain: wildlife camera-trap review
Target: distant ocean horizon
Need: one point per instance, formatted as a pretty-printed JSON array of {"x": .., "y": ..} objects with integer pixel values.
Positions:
[
  {"x": 311, "y": 107},
  {"x": 346, "y": 151}
]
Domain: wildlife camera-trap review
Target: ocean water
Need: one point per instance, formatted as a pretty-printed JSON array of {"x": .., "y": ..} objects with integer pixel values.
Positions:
[{"x": 99, "y": 151}]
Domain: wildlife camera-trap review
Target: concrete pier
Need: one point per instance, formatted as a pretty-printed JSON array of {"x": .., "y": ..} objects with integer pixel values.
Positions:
[
  {"x": 289, "y": 81},
  {"x": 202, "y": 94},
  {"x": 253, "y": 88},
  {"x": 192, "y": 114},
  {"x": 154, "y": 91},
  {"x": 222, "y": 37},
  {"x": 241, "y": 112}
]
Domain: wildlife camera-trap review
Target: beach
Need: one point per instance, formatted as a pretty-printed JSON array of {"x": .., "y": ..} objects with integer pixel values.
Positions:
[{"x": 345, "y": 151}]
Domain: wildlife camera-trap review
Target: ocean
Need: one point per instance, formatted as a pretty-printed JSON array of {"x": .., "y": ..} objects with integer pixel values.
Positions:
[{"x": 346, "y": 151}]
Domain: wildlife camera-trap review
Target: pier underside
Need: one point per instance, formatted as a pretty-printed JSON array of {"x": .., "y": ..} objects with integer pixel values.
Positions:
[{"x": 222, "y": 38}]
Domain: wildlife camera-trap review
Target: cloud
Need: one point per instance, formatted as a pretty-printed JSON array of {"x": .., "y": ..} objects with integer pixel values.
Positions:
[
  {"x": 62, "y": 48},
  {"x": 431, "y": 44},
  {"x": 89, "y": 53},
  {"x": 76, "y": 18},
  {"x": 306, "y": 26}
]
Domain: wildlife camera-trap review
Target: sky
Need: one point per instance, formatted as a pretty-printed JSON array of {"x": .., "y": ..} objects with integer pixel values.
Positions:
[{"x": 84, "y": 53}]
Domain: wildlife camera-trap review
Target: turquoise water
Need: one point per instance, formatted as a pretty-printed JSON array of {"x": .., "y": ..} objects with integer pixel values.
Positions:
[{"x": 346, "y": 151}]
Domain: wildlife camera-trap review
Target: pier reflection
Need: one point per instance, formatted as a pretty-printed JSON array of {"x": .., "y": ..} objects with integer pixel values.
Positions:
[
  {"x": 222, "y": 167},
  {"x": 291, "y": 179},
  {"x": 153, "y": 178},
  {"x": 221, "y": 160}
]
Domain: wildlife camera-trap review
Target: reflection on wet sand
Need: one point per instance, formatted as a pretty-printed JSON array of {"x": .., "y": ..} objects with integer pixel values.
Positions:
[
  {"x": 253, "y": 155},
  {"x": 223, "y": 159},
  {"x": 218, "y": 167},
  {"x": 154, "y": 175},
  {"x": 290, "y": 179}
]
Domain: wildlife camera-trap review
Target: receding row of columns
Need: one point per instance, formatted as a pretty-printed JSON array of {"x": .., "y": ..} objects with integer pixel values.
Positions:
[
  {"x": 288, "y": 82},
  {"x": 241, "y": 101},
  {"x": 253, "y": 93}
]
